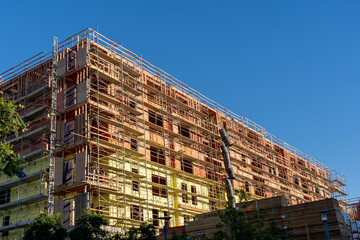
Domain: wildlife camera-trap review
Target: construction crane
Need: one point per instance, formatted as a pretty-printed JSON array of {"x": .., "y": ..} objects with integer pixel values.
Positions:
[{"x": 52, "y": 129}]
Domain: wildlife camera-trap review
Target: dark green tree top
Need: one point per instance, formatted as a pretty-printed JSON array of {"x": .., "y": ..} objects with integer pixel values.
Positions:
[
  {"x": 237, "y": 224},
  {"x": 89, "y": 226},
  {"x": 145, "y": 231},
  {"x": 45, "y": 228}
]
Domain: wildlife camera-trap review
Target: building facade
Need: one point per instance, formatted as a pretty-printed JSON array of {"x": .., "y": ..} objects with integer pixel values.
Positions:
[{"x": 134, "y": 143}]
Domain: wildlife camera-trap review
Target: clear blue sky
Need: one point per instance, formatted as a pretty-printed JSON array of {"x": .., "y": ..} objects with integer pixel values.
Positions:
[{"x": 291, "y": 66}]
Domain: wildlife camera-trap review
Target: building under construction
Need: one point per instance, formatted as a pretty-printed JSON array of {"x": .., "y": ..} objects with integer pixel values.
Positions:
[{"x": 110, "y": 132}]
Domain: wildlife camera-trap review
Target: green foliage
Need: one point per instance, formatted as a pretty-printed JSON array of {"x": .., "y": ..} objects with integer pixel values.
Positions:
[
  {"x": 237, "y": 225},
  {"x": 244, "y": 197},
  {"x": 89, "y": 227},
  {"x": 274, "y": 232},
  {"x": 46, "y": 227},
  {"x": 182, "y": 236},
  {"x": 10, "y": 123},
  {"x": 117, "y": 236},
  {"x": 145, "y": 231},
  {"x": 219, "y": 235},
  {"x": 10, "y": 165}
]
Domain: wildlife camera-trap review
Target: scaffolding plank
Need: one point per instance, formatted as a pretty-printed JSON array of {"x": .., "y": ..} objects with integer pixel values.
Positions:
[
  {"x": 34, "y": 94},
  {"x": 16, "y": 225},
  {"x": 28, "y": 200},
  {"x": 119, "y": 124},
  {"x": 117, "y": 170},
  {"x": 30, "y": 135},
  {"x": 115, "y": 146},
  {"x": 35, "y": 113},
  {"x": 114, "y": 101},
  {"x": 28, "y": 178},
  {"x": 105, "y": 76},
  {"x": 116, "y": 60}
]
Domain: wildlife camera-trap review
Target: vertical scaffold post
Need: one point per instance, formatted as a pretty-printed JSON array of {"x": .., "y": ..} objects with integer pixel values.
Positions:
[{"x": 52, "y": 129}]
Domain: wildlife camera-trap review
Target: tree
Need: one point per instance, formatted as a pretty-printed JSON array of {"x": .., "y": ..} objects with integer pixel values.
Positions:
[
  {"x": 10, "y": 123},
  {"x": 117, "y": 236},
  {"x": 182, "y": 236},
  {"x": 238, "y": 225},
  {"x": 89, "y": 227},
  {"x": 46, "y": 227},
  {"x": 274, "y": 232},
  {"x": 145, "y": 231}
]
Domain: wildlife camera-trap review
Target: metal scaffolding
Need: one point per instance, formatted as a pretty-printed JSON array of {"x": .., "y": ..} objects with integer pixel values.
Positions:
[{"x": 131, "y": 141}]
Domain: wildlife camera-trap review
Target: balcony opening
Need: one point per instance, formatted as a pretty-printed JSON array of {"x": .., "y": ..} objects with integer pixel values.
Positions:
[
  {"x": 135, "y": 184},
  {"x": 193, "y": 197},
  {"x": 157, "y": 191},
  {"x": 134, "y": 144},
  {"x": 187, "y": 166},
  {"x": 156, "y": 119},
  {"x": 157, "y": 155},
  {"x": 155, "y": 214},
  {"x": 136, "y": 213},
  {"x": 184, "y": 195},
  {"x": 185, "y": 131},
  {"x": 5, "y": 196}
]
